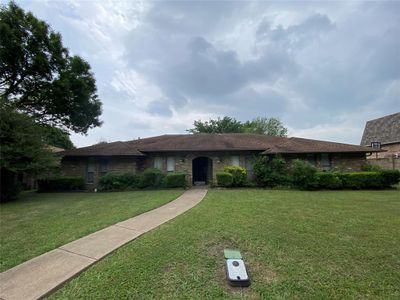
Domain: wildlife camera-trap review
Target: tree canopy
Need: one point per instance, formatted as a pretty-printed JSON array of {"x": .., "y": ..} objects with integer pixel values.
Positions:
[
  {"x": 38, "y": 76},
  {"x": 267, "y": 126}
]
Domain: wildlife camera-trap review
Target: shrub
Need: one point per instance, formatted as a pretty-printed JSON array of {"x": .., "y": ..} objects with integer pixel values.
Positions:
[
  {"x": 114, "y": 181},
  {"x": 368, "y": 167},
  {"x": 270, "y": 173},
  {"x": 224, "y": 179},
  {"x": 390, "y": 177},
  {"x": 175, "y": 180},
  {"x": 57, "y": 184},
  {"x": 152, "y": 178},
  {"x": 362, "y": 180},
  {"x": 239, "y": 175},
  {"x": 330, "y": 181},
  {"x": 304, "y": 175}
]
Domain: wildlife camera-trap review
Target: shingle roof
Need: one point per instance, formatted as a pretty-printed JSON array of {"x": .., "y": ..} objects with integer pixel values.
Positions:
[
  {"x": 215, "y": 142},
  {"x": 385, "y": 130},
  {"x": 104, "y": 149}
]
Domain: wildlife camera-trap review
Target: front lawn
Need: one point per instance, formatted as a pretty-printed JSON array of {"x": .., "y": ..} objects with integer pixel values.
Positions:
[
  {"x": 41, "y": 222},
  {"x": 308, "y": 245}
]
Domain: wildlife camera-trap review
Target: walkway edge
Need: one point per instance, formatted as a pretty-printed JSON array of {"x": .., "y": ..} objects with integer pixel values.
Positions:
[{"x": 42, "y": 275}]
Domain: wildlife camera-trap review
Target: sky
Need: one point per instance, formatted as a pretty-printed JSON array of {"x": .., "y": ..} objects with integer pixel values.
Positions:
[{"x": 324, "y": 68}]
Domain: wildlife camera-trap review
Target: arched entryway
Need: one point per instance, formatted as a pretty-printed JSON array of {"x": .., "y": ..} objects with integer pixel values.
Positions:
[{"x": 201, "y": 170}]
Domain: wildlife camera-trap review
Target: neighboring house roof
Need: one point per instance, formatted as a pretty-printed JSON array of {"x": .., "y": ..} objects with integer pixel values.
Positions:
[
  {"x": 385, "y": 130},
  {"x": 54, "y": 149},
  {"x": 215, "y": 142}
]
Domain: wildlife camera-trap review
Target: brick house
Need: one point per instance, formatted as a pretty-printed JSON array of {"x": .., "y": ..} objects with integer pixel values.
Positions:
[
  {"x": 203, "y": 155},
  {"x": 383, "y": 134}
]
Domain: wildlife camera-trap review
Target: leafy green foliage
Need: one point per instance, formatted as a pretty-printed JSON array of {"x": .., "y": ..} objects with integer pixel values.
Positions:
[
  {"x": 329, "y": 180},
  {"x": 56, "y": 137},
  {"x": 22, "y": 149},
  {"x": 10, "y": 186},
  {"x": 59, "y": 184},
  {"x": 268, "y": 126},
  {"x": 303, "y": 175},
  {"x": 116, "y": 181},
  {"x": 361, "y": 180},
  {"x": 40, "y": 78},
  {"x": 224, "y": 179},
  {"x": 270, "y": 172},
  {"x": 174, "y": 180},
  {"x": 224, "y": 125},
  {"x": 390, "y": 177},
  {"x": 152, "y": 178},
  {"x": 239, "y": 175},
  {"x": 368, "y": 167}
]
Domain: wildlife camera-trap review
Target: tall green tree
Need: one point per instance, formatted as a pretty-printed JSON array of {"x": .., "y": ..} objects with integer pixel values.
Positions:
[
  {"x": 224, "y": 125},
  {"x": 268, "y": 126},
  {"x": 39, "y": 77},
  {"x": 44, "y": 92}
]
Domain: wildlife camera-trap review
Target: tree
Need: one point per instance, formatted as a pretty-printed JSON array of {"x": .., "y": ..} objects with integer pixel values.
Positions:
[
  {"x": 268, "y": 126},
  {"x": 56, "y": 137},
  {"x": 39, "y": 77},
  {"x": 224, "y": 125}
]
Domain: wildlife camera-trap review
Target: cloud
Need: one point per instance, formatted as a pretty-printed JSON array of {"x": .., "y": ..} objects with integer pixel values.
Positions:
[{"x": 324, "y": 68}]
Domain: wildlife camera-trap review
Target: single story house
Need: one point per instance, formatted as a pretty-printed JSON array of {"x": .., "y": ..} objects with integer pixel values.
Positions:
[{"x": 201, "y": 156}]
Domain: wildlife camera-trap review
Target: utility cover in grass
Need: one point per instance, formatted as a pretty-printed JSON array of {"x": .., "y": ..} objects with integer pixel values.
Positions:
[{"x": 232, "y": 254}]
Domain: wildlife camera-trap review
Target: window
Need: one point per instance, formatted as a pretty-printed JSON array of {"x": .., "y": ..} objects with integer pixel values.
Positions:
[
  {"x": 235, "y": 161},
  {"x": 249, "y": 166},
  {"x": 312, "y": 159},
  {"x": 170, "y": 164},
  {"x": 157, "y": 163},
  {"x": 326, "y": 163},
  {"x": 91, "y": 167},
  {"x": 376, "y": 145},
  {"x": 103, "y": 167}
]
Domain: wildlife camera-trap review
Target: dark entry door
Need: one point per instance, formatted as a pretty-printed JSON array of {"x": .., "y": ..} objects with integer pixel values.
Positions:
[{"x": 200, "y": 169}]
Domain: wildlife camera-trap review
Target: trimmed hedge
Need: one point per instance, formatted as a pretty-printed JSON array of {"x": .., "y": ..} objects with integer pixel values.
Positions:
[
  {"x": 115, "y": 181},
  {"x": 174, "y": 180},
  {"x": 362, "y": 180},
  {"x": 224, "y": 179},
  {"x": 239, "y": 175},
  {"x": 270, "y": 172},
  {"x": 329, "y": 181},
  {"x": 58, "y": 184},
  {"x": 390, "y": 177}
]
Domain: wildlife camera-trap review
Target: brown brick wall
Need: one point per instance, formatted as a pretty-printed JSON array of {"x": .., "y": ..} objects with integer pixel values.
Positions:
[
  {"x": 77, "y": 166},
  {"x": 391, "y": 150}
]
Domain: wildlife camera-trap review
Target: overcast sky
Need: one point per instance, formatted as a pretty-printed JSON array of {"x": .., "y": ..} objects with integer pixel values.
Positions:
[{"x": 323, "y": 68}]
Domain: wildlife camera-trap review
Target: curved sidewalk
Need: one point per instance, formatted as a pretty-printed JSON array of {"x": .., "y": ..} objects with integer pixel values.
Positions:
[{"x": 41, "y": 275}]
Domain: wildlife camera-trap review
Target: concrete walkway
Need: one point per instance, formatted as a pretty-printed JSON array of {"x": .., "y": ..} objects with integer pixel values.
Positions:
[{"x": 41, "y": 275}]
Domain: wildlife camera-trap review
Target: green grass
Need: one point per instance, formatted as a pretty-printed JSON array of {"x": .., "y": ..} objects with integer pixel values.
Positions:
[
  {"x": 297, "y": 245},
  {"x": 37, "y": 223}
]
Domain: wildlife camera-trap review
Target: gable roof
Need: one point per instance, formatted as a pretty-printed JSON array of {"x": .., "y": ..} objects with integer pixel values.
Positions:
[
  {"x": 385, "y": 130},
  {"x": 215, "y": 142}
]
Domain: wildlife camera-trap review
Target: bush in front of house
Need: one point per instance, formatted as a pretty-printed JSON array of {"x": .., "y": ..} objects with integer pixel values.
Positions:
[
  {"x": 303, "y": 175},
  {"x": 224, "y": 179},
  {"x": 362, "y": 180},
  {"x": 117, "y": 181},
  {"x": 152, "y": 178},
  {"x": 390, "y": 177},
  {"x": 270, "y": 172},
  {"x": 329, "y": 181},
  {"x": 64, "y": 183},
  {"x": 174, "y": 180},
  {"x": 239, "y": 175}
]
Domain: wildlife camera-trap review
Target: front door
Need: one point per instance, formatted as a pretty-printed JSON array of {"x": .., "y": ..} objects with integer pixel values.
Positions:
[{"x": 200, "y": 167}]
